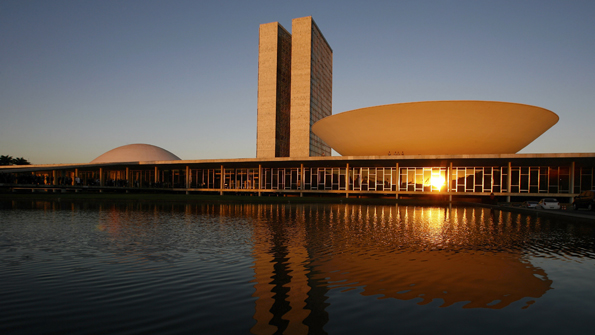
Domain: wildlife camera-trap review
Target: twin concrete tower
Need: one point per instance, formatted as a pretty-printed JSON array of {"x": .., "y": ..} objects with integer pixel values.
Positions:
[{"x": 295, "y": 83}]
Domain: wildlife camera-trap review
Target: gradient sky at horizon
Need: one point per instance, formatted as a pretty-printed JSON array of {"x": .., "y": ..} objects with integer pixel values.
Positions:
[{"x": 79, "y": 78}]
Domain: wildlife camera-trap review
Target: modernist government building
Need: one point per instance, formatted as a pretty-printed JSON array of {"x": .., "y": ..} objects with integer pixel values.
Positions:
[{"x": 461, "y": 150}]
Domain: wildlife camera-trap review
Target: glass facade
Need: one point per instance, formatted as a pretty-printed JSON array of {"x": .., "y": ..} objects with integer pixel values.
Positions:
[
  {"x": 502, "y": 179},
  {"x": 478, "y": 179}
]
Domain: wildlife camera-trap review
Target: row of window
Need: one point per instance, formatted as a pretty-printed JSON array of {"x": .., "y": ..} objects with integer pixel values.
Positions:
[
  {"x": 416, "y": 179},
  {"x": 535, "y": 179}
]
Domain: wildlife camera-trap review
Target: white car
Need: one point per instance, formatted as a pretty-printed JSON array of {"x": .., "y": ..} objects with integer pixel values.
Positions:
[{"x": 548, "y": 203}]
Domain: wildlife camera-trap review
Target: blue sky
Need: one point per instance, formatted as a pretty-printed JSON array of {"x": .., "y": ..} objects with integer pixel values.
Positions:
[{"x": 78, "y": 78}]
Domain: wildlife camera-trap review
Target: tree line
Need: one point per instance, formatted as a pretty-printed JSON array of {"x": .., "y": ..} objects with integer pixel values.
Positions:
[{"x": 9, "y": 160}]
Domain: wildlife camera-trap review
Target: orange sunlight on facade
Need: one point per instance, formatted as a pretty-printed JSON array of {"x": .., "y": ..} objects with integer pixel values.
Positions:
[
  {"x": 294, "y": 89},
  {"x": 435, "y": 128}
]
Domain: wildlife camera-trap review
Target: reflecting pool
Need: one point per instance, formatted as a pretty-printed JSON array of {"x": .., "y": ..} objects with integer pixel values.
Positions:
[{"x": 171, "y": 268}]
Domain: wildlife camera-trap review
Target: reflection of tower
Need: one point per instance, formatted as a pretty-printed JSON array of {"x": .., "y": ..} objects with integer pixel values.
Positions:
[
  {"x": 294, "y": 89},
  {"x": 287, "y": 300}
]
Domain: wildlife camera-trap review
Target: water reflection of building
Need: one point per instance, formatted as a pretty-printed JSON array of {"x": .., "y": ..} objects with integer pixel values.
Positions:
[
  {"x": 461, "y": 256},
  {"x": 471, "y": 257},
  {"x": 289, "y": 300}
]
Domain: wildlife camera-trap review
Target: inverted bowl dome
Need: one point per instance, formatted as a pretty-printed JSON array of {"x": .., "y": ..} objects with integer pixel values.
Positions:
[
  {"x": 136, "y": 153},
  {"x": 435, "y": 128}
]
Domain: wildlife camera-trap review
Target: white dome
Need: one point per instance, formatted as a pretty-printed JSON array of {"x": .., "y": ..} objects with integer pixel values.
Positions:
[{"x": 136, "y": 153}]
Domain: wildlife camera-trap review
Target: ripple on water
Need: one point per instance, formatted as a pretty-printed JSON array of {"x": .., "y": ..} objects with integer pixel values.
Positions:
[{"x": 146, "y": 268}]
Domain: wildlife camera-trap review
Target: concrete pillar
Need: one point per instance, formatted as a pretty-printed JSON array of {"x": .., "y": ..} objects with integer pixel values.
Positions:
[
  {"x": 127, "y": 178},
  {"x": 571, "y": 188},
  {"x": 509, "y": 181},
  {"x": 449, "y": 177},
  {"x": 101, "y": 179},
  {"x": 301, "y": 180},
  {"x": 222, "y": 180},
  {"x": 156, "y": 175},
  {"x": 76, "y": 174},
  {"x": 259, "y": 179},
  {"x": 187, "y": 176},
  {"x": 398, "y": 181},
  {"x": 347, "y": 180},
  {"x": 449, "y": 181}
]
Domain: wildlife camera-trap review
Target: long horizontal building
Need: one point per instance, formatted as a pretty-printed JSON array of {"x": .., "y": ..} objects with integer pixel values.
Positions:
[
  {"x": 396, "y": 176},
  {"x": 456, "y": 149}
]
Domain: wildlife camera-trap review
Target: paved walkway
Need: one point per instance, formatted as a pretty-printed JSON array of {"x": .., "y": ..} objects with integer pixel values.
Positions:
[{"x": 569, "y": 213}]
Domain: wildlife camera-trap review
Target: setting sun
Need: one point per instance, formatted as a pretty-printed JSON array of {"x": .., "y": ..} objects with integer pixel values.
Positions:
[{"x": 438, "y": 182}]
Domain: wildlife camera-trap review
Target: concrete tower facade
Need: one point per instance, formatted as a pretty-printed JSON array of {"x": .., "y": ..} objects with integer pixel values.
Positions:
[
  {"x": 294, "y": 89},
  {"x": 274, "y": 91},
  {"x": 311, "y": 87}
]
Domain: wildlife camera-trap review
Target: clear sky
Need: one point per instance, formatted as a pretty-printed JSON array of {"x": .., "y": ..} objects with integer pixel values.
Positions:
[{"x": 78, "y": 78}]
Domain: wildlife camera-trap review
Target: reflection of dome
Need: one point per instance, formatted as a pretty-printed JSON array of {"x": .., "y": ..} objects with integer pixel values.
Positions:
[
  {"x": 435, "y": 128},
  {"x": 479, "y": 280},
  {"x": 136, "y": 153},
  {"x": 451, "y": 254}
]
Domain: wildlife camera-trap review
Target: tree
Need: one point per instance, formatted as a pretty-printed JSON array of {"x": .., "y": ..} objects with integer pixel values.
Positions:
[
  {"x": 5, "y": 160},
  {"x": 20, "y": 161},
  {"x": 8, "y": 160}
]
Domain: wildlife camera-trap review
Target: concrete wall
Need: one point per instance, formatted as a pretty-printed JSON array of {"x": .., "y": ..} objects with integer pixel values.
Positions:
[
  {"x": 311, "y": 87},
  {"x": 274, "y": 82}
]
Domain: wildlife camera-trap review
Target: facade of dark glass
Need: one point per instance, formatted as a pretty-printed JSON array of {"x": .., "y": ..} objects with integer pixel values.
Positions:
[{"x": 539, "y": 175}]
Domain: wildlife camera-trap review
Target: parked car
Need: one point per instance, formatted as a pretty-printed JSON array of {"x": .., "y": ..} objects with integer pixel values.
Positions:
[
  {"x": 585, "y": 200},
  {"x": 530, "y": 204},
  {"x": 548, "y": 203}
]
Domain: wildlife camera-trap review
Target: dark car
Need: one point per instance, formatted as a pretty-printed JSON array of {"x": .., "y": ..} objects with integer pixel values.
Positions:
[
  {"x": 530, "y": 204},
  {"x": 585, "y": 200}
]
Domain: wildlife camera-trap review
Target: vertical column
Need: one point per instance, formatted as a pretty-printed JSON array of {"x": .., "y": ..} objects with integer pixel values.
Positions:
[
  {"x": 449, "y": 181},
  {"x": 509, "y": 181},
  {"x": 259, "y": 179},
  {"x": 156, "y": 175},
  {"x": 301, "y": 180},
  {"x": 127, "y": 178},
  {"x": 571, "y": 189},
  {"x": 347, "y": 181},
  {"x": 54, "y": 178},
  {"x": 76, "y": 174},
  {"x": 187, "y": 179},
  {"x": 222, "y": 180},
  {"x": 398, "y": 181}
]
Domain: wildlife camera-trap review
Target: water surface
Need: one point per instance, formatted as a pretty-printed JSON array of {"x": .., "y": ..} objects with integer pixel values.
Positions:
[{"x": 91, "y": 268}]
